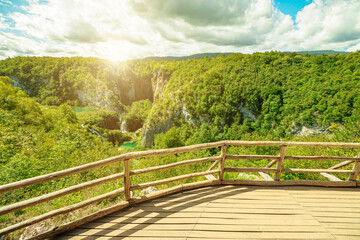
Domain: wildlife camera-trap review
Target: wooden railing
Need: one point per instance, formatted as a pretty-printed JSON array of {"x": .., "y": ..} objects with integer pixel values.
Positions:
[{"x": 217, "y": 160}]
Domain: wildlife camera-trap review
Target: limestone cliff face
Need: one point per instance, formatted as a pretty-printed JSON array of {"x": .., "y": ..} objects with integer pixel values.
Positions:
[
  {"x": 159, "y": 83},
  {"x": 97, "y": 94},
  {"x": 309, "y": 130},
  {"x": 133, "y": 89},
  {"x": 149, "y": 132},
  {"x": 131, "y": 126},
  {"x": 153, "y": 127},
  {"x": 109, "y": 95}
]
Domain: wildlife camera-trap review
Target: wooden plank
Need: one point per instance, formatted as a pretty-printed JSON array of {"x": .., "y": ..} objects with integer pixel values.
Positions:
[
  {"x": 252, "y": 157},
  {"x": 291, "y": 183},
  {"x": 140, "y": 226},
  {"x": 329, "y": 200},
  {"x": 158, "y": 214},
  {"x": 258, "y": 170},
  {"x": 334, "y": 209},
  {"x": 214, "y": 209},
  {"x": 258, "y": 228},
  {"x": 345, "y": 237},
  {"x": 56, "y": 212},
  {"x": 172, "y": 165},
  {"x": 53, "y": 195},
  {"x": 330, "y": 177},
  {"x": 259, "y": 235},
  {"x": 59, "y": 174},
  {"x": 115, "y": 238},
  {"x": 127, "y": 179},
  {"x": 129, "y": 233},
  {"x": 169, "y": 151},
  {"x": 325, "y": 158},
  {"x": 342, "y": 164},
  {"x": 299, "y": 144},
  {"x": 233, "y": 169},
  {"x": 264, "y": 222},
  {"x": 123, "y": 220},
  {"x": 216, "y": 227},
  {"x": 265, "y": 176},
  {"x": 291, "y": 221},
  {"x": 222, "y": 162},
  {"x": 314, "y": 190},
  {"x": 178, "y": 205},
  {"x": 167, "y": 180},
  {"x": 356, "y": 170},
  {"x": 280, "y": 162},
  {"x": 326, "y": 205},
  {"x": 81, "y": 221},
  {"x": 303, "y": 170},
  {"x": 212, "y": 177},
  {"x": 278, "y": 217},
  {"x": 214, "y": 164},
  {"x": 338, "y": 219},
  {"x": 175, "y": 189},
  {"x": 270, "y": 164},
  {"x": 342, "y": 225},
  {"x": 336, "y": 214}
]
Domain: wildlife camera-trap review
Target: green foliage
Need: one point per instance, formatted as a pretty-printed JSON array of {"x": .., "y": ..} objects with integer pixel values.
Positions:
[
  {"x": 55, "y": 81},
  {"x": 138, "y": 110},
  {"x": 36, "y": 139},
  {"x": 269, "y": 94}
]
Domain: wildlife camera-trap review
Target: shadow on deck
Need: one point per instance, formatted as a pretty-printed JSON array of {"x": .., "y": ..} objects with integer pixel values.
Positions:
[{"x": 234, "y": 212}]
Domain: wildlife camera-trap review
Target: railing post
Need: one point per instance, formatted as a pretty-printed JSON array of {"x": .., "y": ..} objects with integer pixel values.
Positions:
[
  {"x": 356, "y": 170},
  {"x": 222, "y": 162},
  {"x": 127, "y": 180},
  {"x": 280, "y": 163}
]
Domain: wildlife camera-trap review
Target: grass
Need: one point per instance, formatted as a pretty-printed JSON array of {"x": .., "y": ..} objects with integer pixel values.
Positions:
[{"x": 84, "y": 109}]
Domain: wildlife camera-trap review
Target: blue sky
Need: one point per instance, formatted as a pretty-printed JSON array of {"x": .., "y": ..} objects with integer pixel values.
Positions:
[
  {"x": 291, "y": 7},
  {"x": 127, "y": 29}
]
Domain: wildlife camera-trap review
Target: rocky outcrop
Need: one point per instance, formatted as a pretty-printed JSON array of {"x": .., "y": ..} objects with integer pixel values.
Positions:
[
  {"x": 133, "y": 90},
  {"x": 149, "y": 132},
  {"x": 131, "y": 126},
  {"x": 247, "y": 113},
  {"x": 307, "y": 131},
  {"x": 98, "y": 98}
]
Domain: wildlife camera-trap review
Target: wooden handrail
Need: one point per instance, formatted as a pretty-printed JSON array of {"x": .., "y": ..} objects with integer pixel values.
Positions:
[
  {"x": 217, "y": 160},
  {"x": 53, "y": 195},
  {"x": 160, "y": 152}
]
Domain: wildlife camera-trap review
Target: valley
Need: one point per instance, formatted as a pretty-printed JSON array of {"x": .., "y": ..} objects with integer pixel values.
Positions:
[{"x": 57, "y": 113}]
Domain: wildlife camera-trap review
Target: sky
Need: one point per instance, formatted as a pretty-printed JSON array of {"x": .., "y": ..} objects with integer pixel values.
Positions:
[{"x": 130, "y": 29}]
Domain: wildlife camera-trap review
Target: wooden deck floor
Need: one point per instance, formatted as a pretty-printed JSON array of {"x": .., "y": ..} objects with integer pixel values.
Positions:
[{"x": 235, "y": 212}]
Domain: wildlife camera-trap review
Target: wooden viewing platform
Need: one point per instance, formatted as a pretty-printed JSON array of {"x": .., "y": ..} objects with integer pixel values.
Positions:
[
  {"x": 234, "y": 212},
  {"x": 270, "y": 208}
]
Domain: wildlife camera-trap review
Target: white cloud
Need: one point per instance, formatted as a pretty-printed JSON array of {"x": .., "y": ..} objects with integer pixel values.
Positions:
[
  {"x": 5, "y": 2},
  {"x": 126, "y": 29},
  {"x": 3, "y": 23},
  {"x": 326, "y": 24}
]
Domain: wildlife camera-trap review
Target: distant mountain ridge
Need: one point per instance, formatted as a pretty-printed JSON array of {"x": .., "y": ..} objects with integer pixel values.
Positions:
[
  {"x": 194, "y": 56},
  {"x": 201, "y": 55},
  {"x": 321, "y": 52}
]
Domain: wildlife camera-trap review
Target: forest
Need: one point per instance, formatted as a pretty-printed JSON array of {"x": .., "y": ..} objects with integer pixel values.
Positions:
[{"x": 164, "y": 104}]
